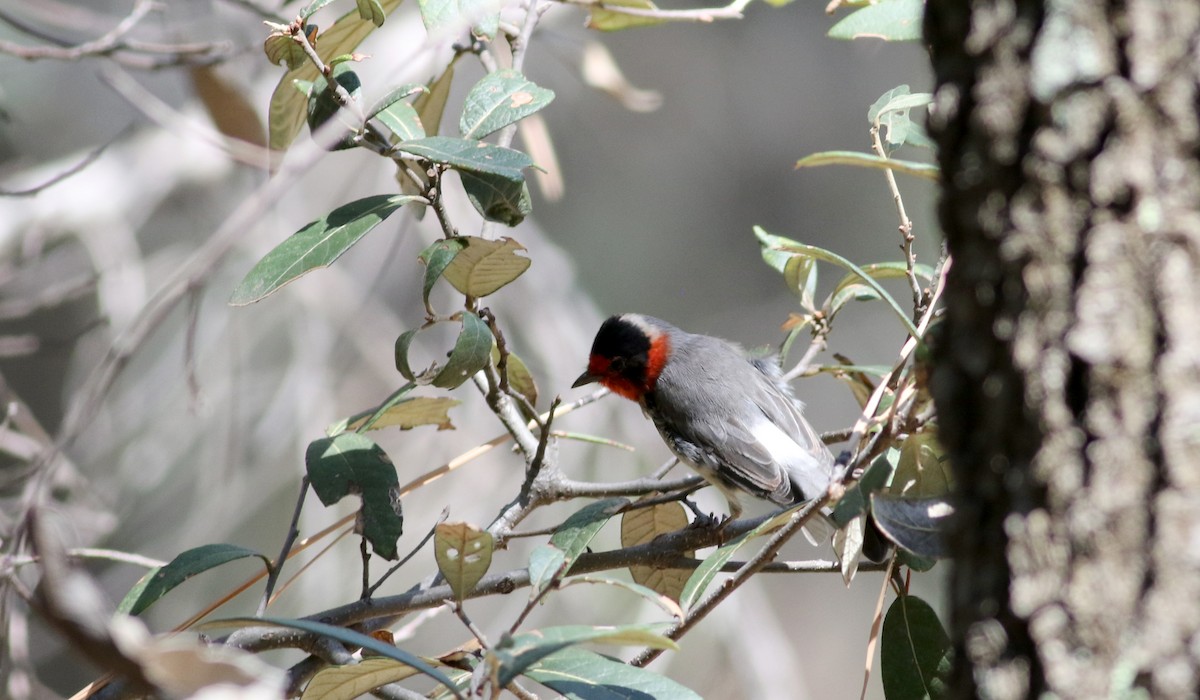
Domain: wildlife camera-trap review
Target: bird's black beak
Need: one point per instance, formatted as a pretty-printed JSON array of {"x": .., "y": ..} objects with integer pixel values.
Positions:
[{"x": 585, "y": 378}]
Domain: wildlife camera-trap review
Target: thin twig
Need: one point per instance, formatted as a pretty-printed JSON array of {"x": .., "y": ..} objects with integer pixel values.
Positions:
[
  {"x": 705, "y": 15},
  {"x": 87, "y": 160},
  {"x": 285, "y": 550},
  {"x": 424, "y": 540},
  {"x": 906, "y": 226}
]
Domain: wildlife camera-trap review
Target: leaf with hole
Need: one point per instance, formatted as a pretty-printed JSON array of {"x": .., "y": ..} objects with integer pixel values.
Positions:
[
  {"x": 580, "y": 674},
  {"x": 463, "y": 553},
  {"x": 351, "y": 463},
  {"x": 158, "y": 582},
  {"x": 472, "y": 156},
  {"x": 890, "y": 20},
  {"x": 915, "y": 652},
  {"x": 499, "y": 99},
  {"x": 643, "y": 525},
  {"x": 484, "y": 266},
  {"x": 316, "y": 245}
]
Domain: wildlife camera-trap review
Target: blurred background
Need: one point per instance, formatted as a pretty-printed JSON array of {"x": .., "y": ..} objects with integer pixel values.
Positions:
[{"x": 202, "y": 435}]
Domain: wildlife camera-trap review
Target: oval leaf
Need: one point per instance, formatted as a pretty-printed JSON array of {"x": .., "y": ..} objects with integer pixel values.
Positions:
[
  {"x": 582, "y": 674},
  {"x": 351, "y": 463},
  {"x": 473, "y": 156},
  {"x": 641, "y": 525},
  {"x": 546, "y": 562},
  {"x": 577, "y": 531},
  {"x": 158, "y": 582},
  {"x": 484, "y": 266},
  {"x": 287, "y": 109},
  {"x": 915, "y": 651},
  {"x": 890, "y": 20},
  {"x": 923, "y": 470},
  {"x": 497, "y": 198},
  {"x": 316, "y": 245},
  {"x": 463, "y": 553},
  {"x": 919, "y": 525},
  {"x": 410, "y": 413},
  {"x": 499, "y": 99},
  {"x": 354, "y": 680}
]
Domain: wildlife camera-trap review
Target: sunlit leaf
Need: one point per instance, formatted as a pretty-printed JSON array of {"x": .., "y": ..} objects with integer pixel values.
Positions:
[
  {"x": 371, "y": 11},
  {"x": 580, "y": 674},
  {"x": 546, "y": 562},
  {"x": 311, "y": 8},
  {"x": 700, "y": 579},
  {"x": 577, "y": 531},
  {"x": 923, "y": 470},
  {"x": 398, "y": 116},
  {"x": 316, "y": 245},
  {"x": 158, "y": 582},
  {"x": 436, "y": 257},
  {"x": 499, "y": 99},
  {"x": 667, "y": 603},
  {"x": 410, "y": 413},
  {"x": 642, "y": 525},
  {"x": 463, "y": 553},
  {"x": 890, "y": 20},
  {"x": 915, "y": 652},
  {"x": 919, "y": 525},
  {"x": 855, "y": 501},
  {"x": 485, "y": 265},
  {"x": 473, "y": 156},
  {"x": 350, "y": 463},
  {"x": 287, "y": 108},
  {"x": 355, "y": 680},
  {"x": 527, "y": 648},
  {"x": 281, "y": 48}
]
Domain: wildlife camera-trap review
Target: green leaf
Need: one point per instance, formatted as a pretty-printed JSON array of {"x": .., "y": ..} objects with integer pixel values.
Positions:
[
  {"x": 311, "y": 8},
  {"x": 322, "y": 100},
  {"x": 287, "y": 109},
  {"x": 915, "y": 651},
  {"x": 410, "y": 413},
  {"x": 350, "y": 638},
  {"x": 919, "y": 525},
  {"x": 497, "y": 198},
  {"x": 432, "y": 105},
  {"x": 667, "y": 603},
  {"x": 642, "y": 525},
  {"x": 499, "y": 99},
  {"x": 519, "y": 377},
  {"x": 527, "y": 648},
  {"x": 470, "y": 354},
  {"x": 711, "y": 566},
  {"x": 398, "y": 116},
  {"x": 800, "y": 274},
  {"x": 435, "y": 258},
  {"x": 351, "y": 463},
  {"x": 890, "y": 20},
  {"x": 855, "y": 501},
  {"x": 580, "y": 674},
  {"x": 484, "y": 265},
  {"x": 923, "y": 469},
  {"x": 611, "y": 21},
  {"x": 577, "y": 531},
  {"x": 891, "y": 113},
  {"x": 282, "y": 48},
  {"x": 316, "y": 245},
  {"x": 372, "y": 11},
  {"x": 451, "y": 16},
  {"x": 355, "y": 680},
  {"x": 546, "y": 563},
  {"x": 159, "y": 581},
  {"x": 472, "y": 156},
  {"x": 463, "y": 553},
  {"x": 786, "y": 245},
  {"x": 869, "y": 160}
]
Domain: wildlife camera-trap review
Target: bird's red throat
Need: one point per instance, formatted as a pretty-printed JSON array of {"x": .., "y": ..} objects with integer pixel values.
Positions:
[{"x": 656, "y": 359}]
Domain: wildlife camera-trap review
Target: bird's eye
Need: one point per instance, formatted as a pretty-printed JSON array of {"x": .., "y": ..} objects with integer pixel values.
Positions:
[{"x": 617, "y": 364}]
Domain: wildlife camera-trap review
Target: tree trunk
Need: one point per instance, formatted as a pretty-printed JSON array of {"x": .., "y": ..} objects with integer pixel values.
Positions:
[{"x": 1067, "y": 371}]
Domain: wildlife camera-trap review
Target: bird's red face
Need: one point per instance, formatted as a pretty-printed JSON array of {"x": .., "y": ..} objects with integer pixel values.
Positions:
[{"x": 627, "y": 356}]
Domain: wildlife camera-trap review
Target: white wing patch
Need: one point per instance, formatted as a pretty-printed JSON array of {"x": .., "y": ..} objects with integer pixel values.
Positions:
[{"x": 802, "y": 467}]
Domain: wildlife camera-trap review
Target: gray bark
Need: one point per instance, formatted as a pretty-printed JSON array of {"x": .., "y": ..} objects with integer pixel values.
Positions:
[{"x": 1068, "y": 368}]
